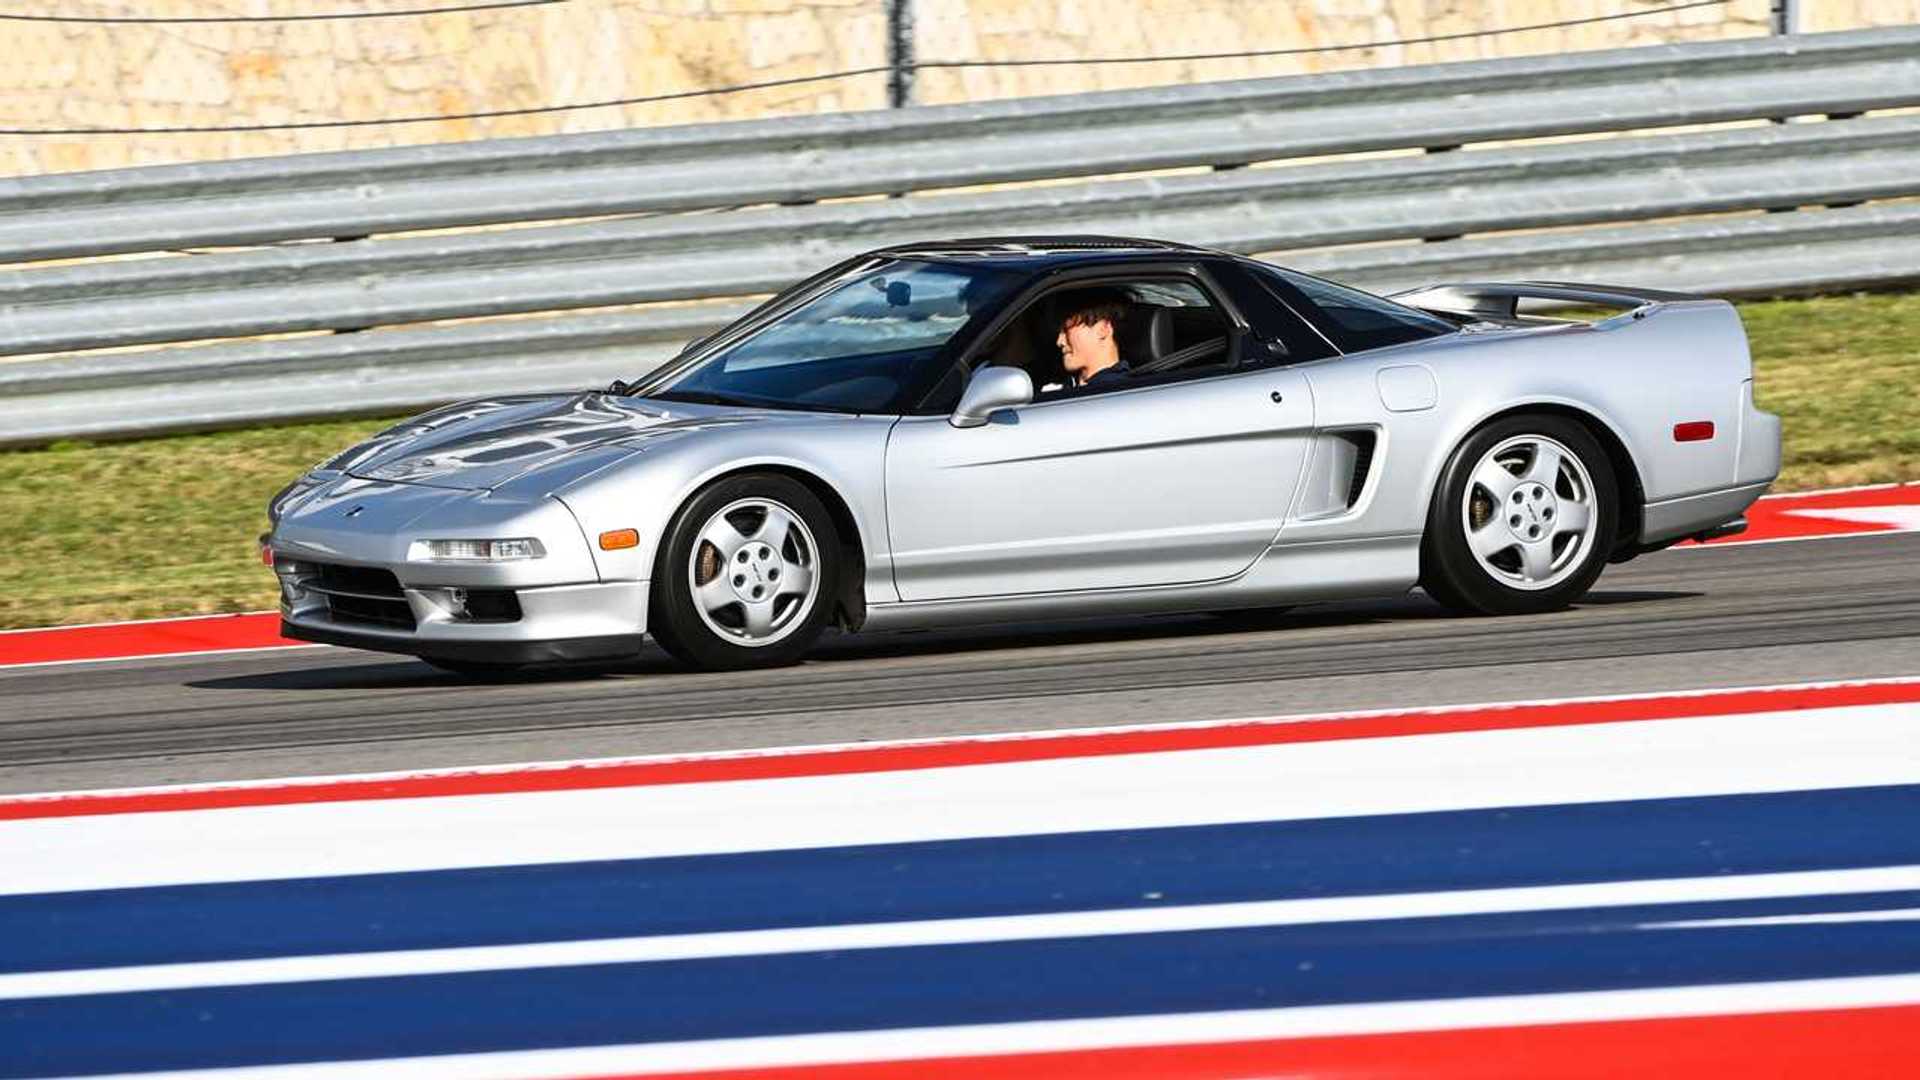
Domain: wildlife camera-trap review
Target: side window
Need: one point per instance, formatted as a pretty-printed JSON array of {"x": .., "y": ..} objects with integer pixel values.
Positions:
[
  {"x": 1286, "y": 337},
  {"x": 1174, "y": 327},
  {"x": 1158, "y": 329},
  {"x": 1356, "y": 321}
]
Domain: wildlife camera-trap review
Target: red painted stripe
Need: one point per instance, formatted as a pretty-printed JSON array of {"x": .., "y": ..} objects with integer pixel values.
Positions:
[
  {"x": 1791, "y": 516},
  {"x": 160, "y": 637},
  {"x": 961, "y": 752},
  {"x": 1836, "y": 1044}
]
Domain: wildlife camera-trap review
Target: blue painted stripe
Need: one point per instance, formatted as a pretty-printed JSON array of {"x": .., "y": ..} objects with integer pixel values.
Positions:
[
  {"x": 1144, "y": 974},
  {"x": 1693, "y": 837}
]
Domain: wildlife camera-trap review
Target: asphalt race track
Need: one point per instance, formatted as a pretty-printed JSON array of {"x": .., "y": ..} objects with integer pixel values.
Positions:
[{"x": 1740, "y": 615}]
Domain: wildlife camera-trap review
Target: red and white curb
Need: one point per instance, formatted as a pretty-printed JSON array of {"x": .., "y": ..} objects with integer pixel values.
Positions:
[
  {"x": 253, "y": 631},
  {"x": 1818, "y": 515}
]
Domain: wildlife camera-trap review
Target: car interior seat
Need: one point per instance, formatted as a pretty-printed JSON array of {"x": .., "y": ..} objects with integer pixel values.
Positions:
[
  {"x": 1147, "y": 335},
  {"x": 1195, "y": 336}
]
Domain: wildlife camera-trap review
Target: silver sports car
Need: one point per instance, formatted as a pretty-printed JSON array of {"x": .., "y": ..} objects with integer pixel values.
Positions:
[{"x": 993, "y": 430}]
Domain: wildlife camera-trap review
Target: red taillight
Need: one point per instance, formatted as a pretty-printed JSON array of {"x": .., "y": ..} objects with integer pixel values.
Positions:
[
  {"x": 1693, "y": 431},
  {"x": 266, "y": 552}
]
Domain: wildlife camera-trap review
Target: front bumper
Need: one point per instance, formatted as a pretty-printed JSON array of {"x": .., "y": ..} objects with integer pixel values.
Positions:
[
  {"x": 341, "y": 548},
  {"x": 558, "y": 622},
  {"x": 483, "y": 652}
]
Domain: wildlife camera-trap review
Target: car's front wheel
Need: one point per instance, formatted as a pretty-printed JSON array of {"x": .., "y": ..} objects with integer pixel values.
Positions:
[
  {"x": 746, "y": 575},
  {"x": 1522, "y": 520}
]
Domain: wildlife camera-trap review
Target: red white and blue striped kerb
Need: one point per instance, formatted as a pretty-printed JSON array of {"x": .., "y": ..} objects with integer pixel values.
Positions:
[{"x": 1719, "y": 883}]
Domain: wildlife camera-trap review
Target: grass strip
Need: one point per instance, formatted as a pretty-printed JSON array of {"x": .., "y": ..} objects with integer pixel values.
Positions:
[{"x": 156, "y": 527}]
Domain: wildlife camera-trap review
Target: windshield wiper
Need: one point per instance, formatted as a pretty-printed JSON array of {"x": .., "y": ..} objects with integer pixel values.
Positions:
[
  {"x": 708, "y": 397},
  {"x": 700, "y": 397}
]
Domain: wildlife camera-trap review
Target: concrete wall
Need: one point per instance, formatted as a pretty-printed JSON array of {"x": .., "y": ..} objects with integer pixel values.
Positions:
[{"x": 88, "y": 76}]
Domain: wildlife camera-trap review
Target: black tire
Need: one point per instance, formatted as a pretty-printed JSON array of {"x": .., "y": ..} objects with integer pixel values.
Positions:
[
  {"x": 1455, "y": 576},
  {"x": 474, "y": 669},
  {"x": 678, "y": 625}
]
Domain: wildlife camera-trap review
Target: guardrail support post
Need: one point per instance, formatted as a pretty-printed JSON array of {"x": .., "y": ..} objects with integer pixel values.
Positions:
[
  {"x": 1785, "y": 16},
  {"x": 900, "y": 53}
]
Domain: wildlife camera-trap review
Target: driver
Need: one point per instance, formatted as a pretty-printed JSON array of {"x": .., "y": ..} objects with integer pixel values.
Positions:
[{"x": 1089, "y": 338}]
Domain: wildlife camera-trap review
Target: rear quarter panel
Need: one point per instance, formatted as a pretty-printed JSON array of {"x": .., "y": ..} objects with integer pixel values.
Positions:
[{"x": 1638, "y": 377}]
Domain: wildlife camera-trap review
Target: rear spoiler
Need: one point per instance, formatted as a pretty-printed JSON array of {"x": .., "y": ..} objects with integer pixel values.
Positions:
[{"x": 1501, "y": 299}]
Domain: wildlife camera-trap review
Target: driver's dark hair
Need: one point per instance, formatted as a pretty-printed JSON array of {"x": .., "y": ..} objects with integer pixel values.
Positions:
[{"x": 1084, "y": 307}]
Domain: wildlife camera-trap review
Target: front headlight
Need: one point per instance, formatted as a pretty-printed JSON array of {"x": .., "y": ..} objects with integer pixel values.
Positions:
[{"x": 475, "y": 550}]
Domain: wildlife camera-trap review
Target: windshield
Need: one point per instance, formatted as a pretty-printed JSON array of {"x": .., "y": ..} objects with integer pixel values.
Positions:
[{"x": 853, "y": 343}]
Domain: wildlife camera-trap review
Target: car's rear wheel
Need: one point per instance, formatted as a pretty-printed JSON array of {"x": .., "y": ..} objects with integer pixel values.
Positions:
[
  {"x": 746, "y": 575},
  {"x": 1522, "y": 520}
]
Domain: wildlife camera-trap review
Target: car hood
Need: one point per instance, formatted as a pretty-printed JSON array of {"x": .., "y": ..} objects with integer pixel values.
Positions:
[{"x": 478, "y": 445}]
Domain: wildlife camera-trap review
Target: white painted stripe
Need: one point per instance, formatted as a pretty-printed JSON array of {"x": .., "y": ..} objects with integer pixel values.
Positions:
[
  {"x": 1899, "y": 518},
  {"x": 908, "y": 1044},
  {"x": 1780, "y": 751},
  {"x": 1807, "y": 919},
  {"x": 969, "y": 931}
]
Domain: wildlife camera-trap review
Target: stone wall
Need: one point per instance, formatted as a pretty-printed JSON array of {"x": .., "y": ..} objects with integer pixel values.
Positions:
[{"x": 72, "y": 75}]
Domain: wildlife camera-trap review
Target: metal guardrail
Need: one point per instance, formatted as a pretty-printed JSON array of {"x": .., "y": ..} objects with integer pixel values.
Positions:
[{"x": 547, "y": 225}]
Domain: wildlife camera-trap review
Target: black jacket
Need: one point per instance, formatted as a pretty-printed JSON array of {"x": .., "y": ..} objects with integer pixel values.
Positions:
[{"x": 1111, "y": 378}]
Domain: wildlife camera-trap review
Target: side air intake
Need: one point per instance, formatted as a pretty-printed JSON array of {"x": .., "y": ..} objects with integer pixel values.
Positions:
[
  {"x": 1363, "y": 442},
  {"x": 1342, "y": 462}
]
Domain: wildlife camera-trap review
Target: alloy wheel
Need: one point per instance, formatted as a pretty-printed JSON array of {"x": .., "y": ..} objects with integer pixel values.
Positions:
[
  {"x": 1529, "y": 511},
  {"x": 753, "y": 572}
]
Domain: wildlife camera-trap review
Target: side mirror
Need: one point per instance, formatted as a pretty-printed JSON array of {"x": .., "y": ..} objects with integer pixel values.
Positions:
[{"x": 991, "y": 388}]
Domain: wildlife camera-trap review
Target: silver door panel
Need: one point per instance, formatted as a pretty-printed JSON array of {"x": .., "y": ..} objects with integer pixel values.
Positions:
[
  {"x": 1290, "y": 574},
  {"x": 1158, "y": 485}
]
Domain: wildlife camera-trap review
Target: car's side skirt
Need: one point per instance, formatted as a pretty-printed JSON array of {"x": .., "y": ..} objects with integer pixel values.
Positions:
[{"x": 1286, "y": 574}]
